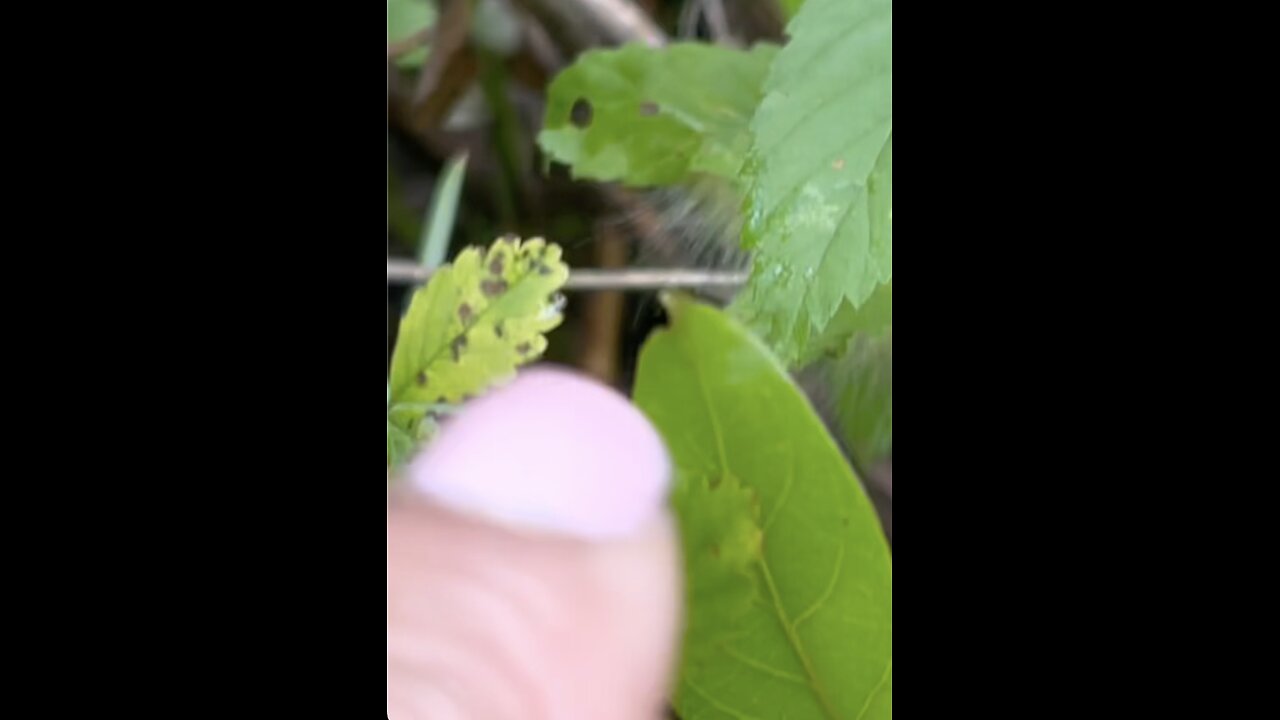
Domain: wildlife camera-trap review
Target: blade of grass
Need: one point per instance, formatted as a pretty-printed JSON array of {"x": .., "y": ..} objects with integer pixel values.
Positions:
[{"x": 438, "y": 227}]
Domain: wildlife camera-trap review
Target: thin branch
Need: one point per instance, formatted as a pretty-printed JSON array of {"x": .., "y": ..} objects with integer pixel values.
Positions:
[
  {"x": 602, "y": 313},
  {"x": 408, "y": 45},
  {"x": 579, "y": 24},
  {"x": 407, "y": 272},
  {"x": 717, "y": 23},
  {"x": 624, "y": 21}
]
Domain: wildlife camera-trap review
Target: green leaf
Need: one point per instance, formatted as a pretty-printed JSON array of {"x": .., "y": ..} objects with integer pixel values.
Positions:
[
  {"x": 399, "y": 444},
  {"x": 722, "y": 548},
  {"x": 472, "y": 325},
  {"x": 819, "y": 206},
  {"x": 862, "y": 381},
  {"x": 872, "y": 320},
  {"x": 653, "y": 116},
  {"x": 789, "y": 7},
  {"x": 406, "y": 17},
  {"x": 808, "y": 634}
]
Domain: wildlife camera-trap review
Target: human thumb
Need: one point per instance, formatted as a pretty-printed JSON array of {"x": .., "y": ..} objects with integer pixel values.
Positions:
[{"x": 532, "y": 569}]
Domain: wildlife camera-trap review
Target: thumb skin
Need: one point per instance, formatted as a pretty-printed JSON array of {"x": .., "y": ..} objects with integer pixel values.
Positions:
[{"x": 532, "y": 569}]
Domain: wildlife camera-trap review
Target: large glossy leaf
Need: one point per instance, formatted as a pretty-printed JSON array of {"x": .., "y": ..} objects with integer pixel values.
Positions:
[
  {"x": 652, "y": 116},
  {"x": 789, "y": 575},
  {"x": 820, "y": 175}
]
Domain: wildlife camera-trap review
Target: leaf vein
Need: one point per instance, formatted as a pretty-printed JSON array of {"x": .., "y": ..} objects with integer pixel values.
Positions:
[
  {"x": 875, "y": 692},
  {"x": 826, "y": 594},
  {"x": 796, "y": 646},
  {"x": 716, "y": 703},
  {"x": 763, "y": 667},
  {"x": 786, "y": 491}
]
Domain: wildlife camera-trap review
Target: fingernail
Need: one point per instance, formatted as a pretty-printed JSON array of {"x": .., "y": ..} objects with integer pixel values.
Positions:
[{"x": 554, "y": 451}]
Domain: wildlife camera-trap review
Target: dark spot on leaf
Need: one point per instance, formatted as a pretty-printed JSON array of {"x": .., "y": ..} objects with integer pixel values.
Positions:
[
  {"x": 422, "y": 378},
  {"x": 457, "y": 346},
  {"x": 493, "y": 287},
  {"x": 648, "y": 108},
  {"x": 844, "y": 522},
  {"x": 464, "y": 313},
  {"x": 543, "y": 269},
  {"x": 580, "y": 113},
  {"x": 496, "y": 265},
  {"x": 497, "y": 328},
  {"x": 715, "y": 551},
  {"x": 523, "y": 348}
]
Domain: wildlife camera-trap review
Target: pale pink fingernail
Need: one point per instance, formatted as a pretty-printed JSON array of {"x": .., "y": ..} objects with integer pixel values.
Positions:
[{"x": 553, "y": 451}]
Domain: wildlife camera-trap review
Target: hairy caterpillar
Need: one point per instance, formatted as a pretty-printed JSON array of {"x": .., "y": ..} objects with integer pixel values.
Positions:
[{"x": 699, "y": 225}]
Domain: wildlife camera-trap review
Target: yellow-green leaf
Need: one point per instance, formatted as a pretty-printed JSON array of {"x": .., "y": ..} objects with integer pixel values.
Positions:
[{"x": 473, "y": 324}]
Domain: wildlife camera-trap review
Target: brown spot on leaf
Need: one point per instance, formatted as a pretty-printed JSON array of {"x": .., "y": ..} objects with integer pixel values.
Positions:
[
  {"x": 543, "y": 269},
  {"x": 498, "y": 329},
  {"x": 457, "y": 346},
  {"x": 715, "y": 551},
  {"x": 523, "y": 348},
  {"x": 580, "y": 113},
  {"x": 493, "y": 287},
  {"x": 496, "y": 265},
  {"x": 464, "y": 313},
  {"x": 838, "y": 164},
  {"x": 648, "y": 108},
  {"x": 422, "y": 378}
]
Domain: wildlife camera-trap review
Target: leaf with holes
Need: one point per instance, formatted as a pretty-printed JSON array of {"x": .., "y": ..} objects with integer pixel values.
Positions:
[
  {"x": 819, "y": 209},
  {"x": 472, "y": 325},
  {"x": 761, "y": 488},
  {"x": 654, "y": 116}
]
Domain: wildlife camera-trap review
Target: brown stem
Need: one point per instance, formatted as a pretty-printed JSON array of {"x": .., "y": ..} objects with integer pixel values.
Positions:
[
  {"x": 602, "y": 321},
  {"x": 407, "y": 45}
]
